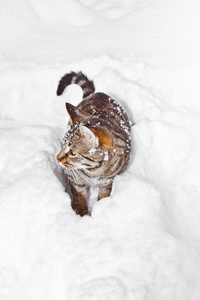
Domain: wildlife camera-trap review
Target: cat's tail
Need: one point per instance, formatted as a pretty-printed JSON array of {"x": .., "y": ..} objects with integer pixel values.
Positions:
[{"x": 76, "y": 78}]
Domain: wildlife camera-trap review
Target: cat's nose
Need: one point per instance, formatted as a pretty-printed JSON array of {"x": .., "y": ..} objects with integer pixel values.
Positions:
[{"x": 58, "y": 158}]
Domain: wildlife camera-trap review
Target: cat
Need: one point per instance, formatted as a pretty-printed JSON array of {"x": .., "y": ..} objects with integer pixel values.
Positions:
[{"x": 97, "y": 145}]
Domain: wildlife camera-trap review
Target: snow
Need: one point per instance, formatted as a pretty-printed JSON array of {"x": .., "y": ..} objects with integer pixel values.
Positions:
[{"x": 143, "y": 241}]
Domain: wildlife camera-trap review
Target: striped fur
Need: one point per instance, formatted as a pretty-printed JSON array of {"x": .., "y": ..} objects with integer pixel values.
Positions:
[
  {"x": 97, "y": 146},
  {"x": 76, "y": 78}
]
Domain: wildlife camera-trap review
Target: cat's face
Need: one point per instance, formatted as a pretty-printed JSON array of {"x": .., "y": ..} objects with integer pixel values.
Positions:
[
  {"x": 84, "y": 147},
  {"x": 81, "y": 149}
]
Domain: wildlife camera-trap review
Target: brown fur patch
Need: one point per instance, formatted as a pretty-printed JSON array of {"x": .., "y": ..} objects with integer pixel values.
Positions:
[{"x": 105, "y": 139}]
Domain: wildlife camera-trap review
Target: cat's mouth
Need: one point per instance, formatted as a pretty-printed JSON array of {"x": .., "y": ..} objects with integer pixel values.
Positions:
[{"x": 65, "y": 164}]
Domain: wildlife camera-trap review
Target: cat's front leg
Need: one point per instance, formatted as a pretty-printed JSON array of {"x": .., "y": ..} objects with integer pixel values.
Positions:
[
  {"x": 79, "y": 199},
  {"x": 105, "y": 190}
]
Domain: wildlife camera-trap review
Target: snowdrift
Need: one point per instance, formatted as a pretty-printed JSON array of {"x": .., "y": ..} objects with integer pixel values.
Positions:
[{"x": 143, "y": 241}]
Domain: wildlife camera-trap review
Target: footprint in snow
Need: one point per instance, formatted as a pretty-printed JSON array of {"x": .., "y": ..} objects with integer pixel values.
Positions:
[
  {"x": 109, "y": 9},
  {"x": 9, "y": 279},
  {"x": 109, "y": 288}
]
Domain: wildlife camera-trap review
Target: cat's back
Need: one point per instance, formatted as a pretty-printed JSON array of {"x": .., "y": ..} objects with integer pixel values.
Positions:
[
  {"x": 110, "y": 114},
  {"x": 102, "y": 106}
]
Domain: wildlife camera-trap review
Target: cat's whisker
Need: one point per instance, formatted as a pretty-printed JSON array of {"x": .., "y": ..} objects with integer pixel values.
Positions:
[{"x": 74, "y": 176}]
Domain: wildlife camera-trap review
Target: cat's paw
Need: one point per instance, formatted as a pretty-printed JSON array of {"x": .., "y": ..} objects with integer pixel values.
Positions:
[{"x": 81, "y": 211}]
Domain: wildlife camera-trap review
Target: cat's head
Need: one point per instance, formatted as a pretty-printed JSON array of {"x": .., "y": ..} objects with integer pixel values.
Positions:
[{"x": 86, "y": 143}]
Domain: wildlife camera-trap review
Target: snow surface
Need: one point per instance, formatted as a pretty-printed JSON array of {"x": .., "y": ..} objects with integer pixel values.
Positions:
[{"x": 143, "y": 242}]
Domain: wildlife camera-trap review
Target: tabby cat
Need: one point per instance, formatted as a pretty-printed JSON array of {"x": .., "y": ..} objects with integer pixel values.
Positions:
[{"x": 97, "y": 145}]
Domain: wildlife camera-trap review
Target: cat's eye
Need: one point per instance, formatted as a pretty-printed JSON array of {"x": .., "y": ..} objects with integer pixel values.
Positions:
[{"x": 70, "y": 152}]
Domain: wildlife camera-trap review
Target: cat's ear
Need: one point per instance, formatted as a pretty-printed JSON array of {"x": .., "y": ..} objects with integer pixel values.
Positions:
[
  {"x": 75, "y": 114},
  {"x": 92, "y": 139},
  {"x": 103, "y": 135}
]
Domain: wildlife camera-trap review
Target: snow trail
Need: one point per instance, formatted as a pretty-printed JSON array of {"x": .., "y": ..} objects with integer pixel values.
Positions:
[
  {"x": 143, "y": 241},
  {"x": 139, "y": 227}
]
